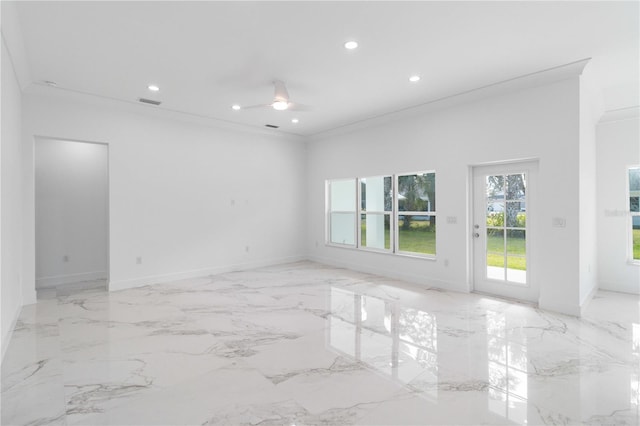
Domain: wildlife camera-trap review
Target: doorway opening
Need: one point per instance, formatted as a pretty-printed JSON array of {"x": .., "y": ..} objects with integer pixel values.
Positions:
[{"x": 71, "y": 216}]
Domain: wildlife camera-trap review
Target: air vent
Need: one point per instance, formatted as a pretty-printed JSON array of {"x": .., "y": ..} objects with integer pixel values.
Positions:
[
  {"x": 271, "y": 126},
  {"x": 149, "y": 101}
]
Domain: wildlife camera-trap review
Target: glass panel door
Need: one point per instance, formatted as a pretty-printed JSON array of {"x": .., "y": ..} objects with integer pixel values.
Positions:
[
  {"x": 502, "y": 203},
  {"x": 506, "y": 222}
]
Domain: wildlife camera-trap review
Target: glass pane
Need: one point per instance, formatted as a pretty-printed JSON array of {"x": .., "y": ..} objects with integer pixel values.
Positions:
[
  {"x": 343, "y": 228},
  {"x": 495, "y": 219},
  {"x": 516, "y": 218},
  {"x": 495, "y": 187},
  {"x": 634, "y": 189},
  {"x": 516, "y": 269},
  {"x": 494, "y": 206},
  {"x": 376, "y": 193},
  {"x": 516, "y": 256},
  {"x": 417, "y": 234},
  {"x": 376, "y": 231},
  {"x": 495, "y": 254},
  {"x": 495, "y": 241},
  {"x": 343, "y": 195},
  {"x": 417, "y": 193},
  {"x": 516, "y": 187},
  {"x": 635, "y": 229}
]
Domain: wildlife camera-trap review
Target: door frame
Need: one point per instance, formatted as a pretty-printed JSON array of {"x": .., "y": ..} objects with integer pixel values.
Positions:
[{"x": 530, "y": 165}]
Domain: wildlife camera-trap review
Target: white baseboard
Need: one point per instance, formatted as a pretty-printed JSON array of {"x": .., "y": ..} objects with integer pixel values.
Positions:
[
  {"x": 416, "y": 279},
  {"x": 559, "y": 307},
  {"x": 585, "y": 302},
  {"x": 6, "y": 340},
  {"x": 158, "y": 279},
  {"x": 631, "y": 289},
  {"x": 48, "y": 282}
]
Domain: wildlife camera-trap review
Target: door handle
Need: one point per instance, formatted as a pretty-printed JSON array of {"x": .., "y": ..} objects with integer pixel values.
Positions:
[{"x": 476, "y": 235}]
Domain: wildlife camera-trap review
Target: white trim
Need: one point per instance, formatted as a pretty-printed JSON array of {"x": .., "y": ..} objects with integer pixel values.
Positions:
[
  {"x": 522, "y": 82},
  {"x": 559, "y": 307},
  {"x": 620, "y": 114},
  {"x": 13, "y": 41},
  {"x": 584, "y": 303},
  {"x": 40, "y": 89},
  {"x": 395, "y": 274},
  {"x": 196, "y": 273},
  {"x": 6, "y": 340},
  {"x": 48, "y": 282}
]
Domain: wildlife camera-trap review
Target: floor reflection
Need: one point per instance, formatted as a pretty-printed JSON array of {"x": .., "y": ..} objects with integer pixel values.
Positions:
[
  {"x": 402, "y": 343},
  {"x": 398, "y": 341},
  {"x": 507, "y": 368}
]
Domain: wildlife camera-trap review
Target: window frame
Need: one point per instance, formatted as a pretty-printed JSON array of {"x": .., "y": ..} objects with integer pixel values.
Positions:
[
  {"x": 394, "y": 213},
  {"x": 630, "y": 216},
  {"x": 375, "y": 212},
  {"x": 396, "y": 220},
  {"x": 329, "y": 211}
]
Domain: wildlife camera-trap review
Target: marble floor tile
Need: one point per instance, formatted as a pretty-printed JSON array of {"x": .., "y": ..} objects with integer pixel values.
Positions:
[{"x": 308, "y": 344}]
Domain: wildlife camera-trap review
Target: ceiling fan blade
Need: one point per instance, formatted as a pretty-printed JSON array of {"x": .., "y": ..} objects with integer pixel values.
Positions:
[
  {"x": 281, "y": 93},
  {"x": 257, "y": 106}
]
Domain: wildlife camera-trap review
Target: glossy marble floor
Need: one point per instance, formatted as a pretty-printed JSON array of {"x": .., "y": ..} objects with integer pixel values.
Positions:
[{"x": 305, "y": 344}]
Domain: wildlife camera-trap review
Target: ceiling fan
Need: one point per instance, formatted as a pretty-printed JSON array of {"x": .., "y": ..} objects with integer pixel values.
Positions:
[{"x": 281, "y": 100}]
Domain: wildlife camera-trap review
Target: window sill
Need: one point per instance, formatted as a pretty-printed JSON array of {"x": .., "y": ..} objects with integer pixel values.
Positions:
[{"x": 384, "y": 252}]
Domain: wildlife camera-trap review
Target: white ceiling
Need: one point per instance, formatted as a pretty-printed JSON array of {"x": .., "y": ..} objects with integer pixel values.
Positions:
[{"x": 206, "y": 56}]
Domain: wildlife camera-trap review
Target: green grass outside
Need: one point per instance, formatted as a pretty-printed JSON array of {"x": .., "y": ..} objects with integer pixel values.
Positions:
[
  {"x": 417, "y": 239},
  {"x": 516, "y": 250},
  {"x": 636, "y": 244},
  {"x": 420, "y": 239}
]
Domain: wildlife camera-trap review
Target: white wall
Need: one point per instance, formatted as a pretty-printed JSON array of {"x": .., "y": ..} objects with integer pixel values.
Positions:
[
  {"x": 11, "y": 200},
  {"x": 188, "y": 198},
  {"x": 71, "y": 211},
  {"x": 536, "y": 123},
  {"x": 590, "y": 113},
  {"x": 618, "y": 147}
]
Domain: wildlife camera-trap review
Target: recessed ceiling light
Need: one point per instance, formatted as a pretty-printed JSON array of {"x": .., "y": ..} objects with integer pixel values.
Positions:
[
  {"x": 295, "y": 120},
  {"x": 153, "y": 88},
  {"x": 414, "y": 78},
  {"x": 351, "y": 45},
  {"x": 235, "y": 107}
]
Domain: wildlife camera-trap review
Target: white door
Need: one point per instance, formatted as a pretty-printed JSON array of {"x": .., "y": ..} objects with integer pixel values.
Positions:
[{"x": 503, "y": 230}]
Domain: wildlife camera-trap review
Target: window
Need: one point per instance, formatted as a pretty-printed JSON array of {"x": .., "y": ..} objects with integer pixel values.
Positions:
[
  {"x": 342, "y": 212},
  {"x": 634, "y": 209},
  {"x": 376, "y": 205},
  {"x": 416, "y": 224},
  {"x": 396, "y": 213}
]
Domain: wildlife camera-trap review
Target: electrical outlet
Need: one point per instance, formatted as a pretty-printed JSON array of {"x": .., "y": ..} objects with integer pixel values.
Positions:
[
  {"x": 246, "y": 249},
  {"x": 65, "y": 258},
  {"x": 139, "y": 260}
]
